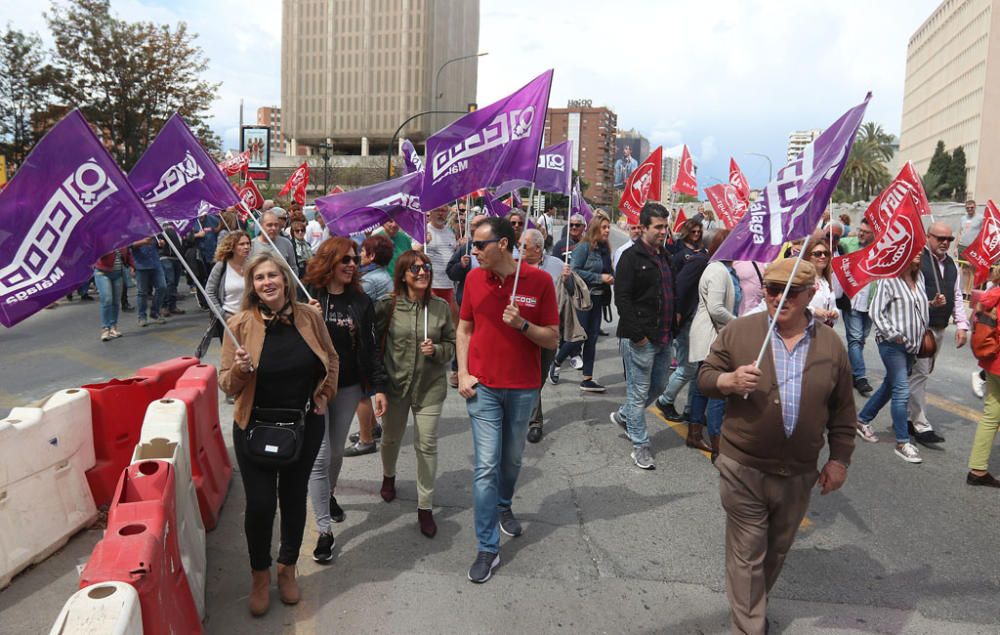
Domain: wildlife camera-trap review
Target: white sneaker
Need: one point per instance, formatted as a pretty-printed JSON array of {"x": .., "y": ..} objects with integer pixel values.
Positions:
[
  {"x": 978, "y": 383},
  {"x": 908, "y": 452},
  {"x": 576, "y": 361},
  {"x": 866, "y": 432}
]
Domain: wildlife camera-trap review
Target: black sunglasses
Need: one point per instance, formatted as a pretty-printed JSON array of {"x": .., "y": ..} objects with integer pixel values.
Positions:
[
  {"x": 820, "y": 253},
  {"x": 516, "y": 223},
  {"x": 576, "y": 224},
  {"x": 346, "y": 260},
  {"x": 778, "y": 289},
  {"x": 482, "y": 244},
  {"x": 943, "y": 239},
  {"x": 417, "y": 268}
]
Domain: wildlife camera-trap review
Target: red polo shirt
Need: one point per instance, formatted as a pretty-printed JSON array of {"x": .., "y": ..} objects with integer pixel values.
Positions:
[{"x": 501, "y": 356}]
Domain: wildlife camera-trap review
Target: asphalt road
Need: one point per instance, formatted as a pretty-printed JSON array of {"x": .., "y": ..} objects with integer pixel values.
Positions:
[{"x": 607, "y": 548}]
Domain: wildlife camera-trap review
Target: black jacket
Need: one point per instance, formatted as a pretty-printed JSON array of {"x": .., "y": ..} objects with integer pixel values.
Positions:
[
  {"x": 369, "y": 357},
  {"x": 686, "y": 287},
  {"x": 639, "y": 295},
  {"x": 456, "y": 272}
]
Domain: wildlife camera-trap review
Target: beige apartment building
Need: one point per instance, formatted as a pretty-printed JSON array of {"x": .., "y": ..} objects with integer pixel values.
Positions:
[
  {"x": 592, "y": 129},
  {"x": 952, "y": 91},
  {"x": 270, "y": 116},
  {"x": 352, "y": 71}
]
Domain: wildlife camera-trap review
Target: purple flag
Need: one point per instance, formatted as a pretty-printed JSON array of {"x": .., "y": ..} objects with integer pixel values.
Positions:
[
  {"x": 368, "y": 207},
  {"x": 552, "y": 174},
  {"x": 68, "y": 205},
  {"x": 484, "y": 148},
  {"x": 176, "y": 178},
  {"x": 410, "y": 157},
  {"x": 578, "y": 204},
  {"x": 793, "y": 203},
  {"x": 493, "y": 206}
]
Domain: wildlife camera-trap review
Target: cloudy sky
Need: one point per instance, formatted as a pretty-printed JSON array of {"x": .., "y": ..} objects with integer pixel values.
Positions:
[{"x": 725, "y": 77}]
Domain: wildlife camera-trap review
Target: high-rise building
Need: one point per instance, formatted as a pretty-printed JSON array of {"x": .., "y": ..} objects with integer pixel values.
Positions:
[
  {"x": 671, "y": 170},
  {"x": 798, "y": 140},
  {"x": 592, "y": 129},
  {"x": 270, "y": 116},
  {"x": 952, "y": 91},
  {"x": 353, "y": 71}
]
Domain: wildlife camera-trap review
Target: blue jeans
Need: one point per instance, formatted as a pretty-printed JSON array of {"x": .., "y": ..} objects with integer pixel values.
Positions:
[
  {"x": 109, "y": 289},
  {"x": 499, "y": 427},
  {"x": 590, "y": 320},
  {"x": 705, "y": 410},
  {"x": 685, "y": 370},
  {"x": 171, "y": 276},
  {"x": 646, "y": 370},
  {"x": 149, "y": 282},
  {"x": 857, "y": 326},
  {"x": 896, "y": 386}
]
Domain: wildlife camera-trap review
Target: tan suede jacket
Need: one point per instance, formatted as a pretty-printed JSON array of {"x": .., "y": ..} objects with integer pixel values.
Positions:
[{"x": 249, "y": 329}]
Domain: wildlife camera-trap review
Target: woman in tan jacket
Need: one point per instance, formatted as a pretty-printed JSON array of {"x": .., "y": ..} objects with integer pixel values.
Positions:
[{"x": 286, "y": 360}]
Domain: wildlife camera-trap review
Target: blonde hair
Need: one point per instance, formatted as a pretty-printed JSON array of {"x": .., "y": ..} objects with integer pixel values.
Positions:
[
  {"x": 227, "y": 246},
  {"x": 251, "y": 301}
]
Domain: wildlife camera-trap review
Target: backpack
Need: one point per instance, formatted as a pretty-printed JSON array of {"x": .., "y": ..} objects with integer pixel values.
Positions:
[{"x": 985, "y": 341}]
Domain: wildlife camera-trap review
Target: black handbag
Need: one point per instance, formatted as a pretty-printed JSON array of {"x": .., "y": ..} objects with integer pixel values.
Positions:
[{"x": 274, "y": 436}]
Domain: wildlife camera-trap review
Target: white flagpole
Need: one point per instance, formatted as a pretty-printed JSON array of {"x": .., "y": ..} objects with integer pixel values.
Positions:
[
  {"x": 224, "y": 223},
  {"x": 425, "y": 321},
  {"x": 937, "y": 283},
  {"x": 520, "y": 251},
  {"x": 275, "y": 247},
  {"x": 569, "y": 215},
  {"x": 468, "y": 225}
]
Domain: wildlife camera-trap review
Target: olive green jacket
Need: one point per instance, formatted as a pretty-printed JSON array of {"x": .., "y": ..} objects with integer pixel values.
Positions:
[{"x": 411, "y": 373}]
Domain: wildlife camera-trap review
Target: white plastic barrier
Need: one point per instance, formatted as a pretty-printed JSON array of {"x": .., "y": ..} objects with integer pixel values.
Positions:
[
  {"x": 108, "y": 608},
  {"x": 164, "y": 436},
  {"x": 45, "y": 451}
]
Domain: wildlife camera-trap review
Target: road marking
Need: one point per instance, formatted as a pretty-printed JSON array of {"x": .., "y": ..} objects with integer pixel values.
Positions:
[
  {"x": 175, "y": 337},
  {"x": 956, "y": 409},
  {"x": 106, "y": 366}
]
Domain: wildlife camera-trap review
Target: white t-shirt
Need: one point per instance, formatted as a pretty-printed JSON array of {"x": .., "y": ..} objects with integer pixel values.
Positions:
[
  {"x": 314, "y": 234},
  {"x": 824, "y": 298},
  {"x": 440, "y": 246},
  {"x": 232, "y": 291}
]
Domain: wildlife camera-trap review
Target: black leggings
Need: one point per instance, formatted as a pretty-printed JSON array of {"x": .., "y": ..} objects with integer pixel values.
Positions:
[{"x": 266, "y": 488}]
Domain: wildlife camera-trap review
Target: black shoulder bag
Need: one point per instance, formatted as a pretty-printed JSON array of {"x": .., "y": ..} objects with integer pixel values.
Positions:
[{"x": 274, "y": 436}]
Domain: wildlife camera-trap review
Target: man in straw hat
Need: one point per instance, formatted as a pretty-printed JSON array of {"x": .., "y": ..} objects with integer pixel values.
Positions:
[{"x": 769, "y": 452}]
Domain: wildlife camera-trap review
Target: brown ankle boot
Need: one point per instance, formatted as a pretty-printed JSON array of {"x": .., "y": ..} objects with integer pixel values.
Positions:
[
  {"x": 388, "y": 491},
  {"x": 260, "y": 592},
  {"x": 695, "y": 438},
  {"x": 427, "y": 525},
  {"x": 288, "y": 588},
  {"x": 714, "y": 439}
]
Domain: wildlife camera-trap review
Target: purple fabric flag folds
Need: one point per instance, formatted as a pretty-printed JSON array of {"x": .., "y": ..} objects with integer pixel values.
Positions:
[
  {"x": 68, "y": 205},
  {"x": 176, "y": 178},
  {"x": 553, "y": 172},
  {"x": 366, "y": 208},
  {"x": 493, "y": 206},
  {"x": 578, "y": 204},
  {"x": 793, "y": 203},
  {"x": 410, "y": 157},
  {"x": 485, "y": 148}
]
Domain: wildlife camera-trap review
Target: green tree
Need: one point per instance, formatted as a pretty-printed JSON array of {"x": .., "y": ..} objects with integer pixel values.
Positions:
[
  {"x": 956, "y": 174},
  {"x": 865, "y": 173},
  {"x": 26, "y": 87},
  {"x": 128, "y": 78},
  {"x": 936, "y": 182}
]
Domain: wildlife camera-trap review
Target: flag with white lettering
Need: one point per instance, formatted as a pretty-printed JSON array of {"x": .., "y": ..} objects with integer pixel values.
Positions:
[
  {"x": 297, "y": 184},
  {"x": 737, "y": 180},
  {"x": 791, "y": 205},
  {"x": 578, "y": 204},
  {"x": 485, "y": 148},
  {"x": 67, "y": 205},
  {"x": 555, "y": 167},
  {"x": 368, "y": 207},
  {"x": 176, "y": 178},
  {"x": 679, "y": 222},
  {"x": 906, "y": 184},
  {"x": 236, "y": 164},
  {"x": 686, "y": 181},
  {"x": 726, "y": 202},
  {"x": 985, "y": 249},
  {"x": 899, "y": 242},
  {"x": 411, "y": 159},
  {"x": 642, "y": 185},
  {"x": 250, "y": 199}
]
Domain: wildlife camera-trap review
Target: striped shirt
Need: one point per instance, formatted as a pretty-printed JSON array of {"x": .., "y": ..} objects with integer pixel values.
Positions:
[
  {"x": 898, "y": 311},
  {"x": 788, "y": 367}
]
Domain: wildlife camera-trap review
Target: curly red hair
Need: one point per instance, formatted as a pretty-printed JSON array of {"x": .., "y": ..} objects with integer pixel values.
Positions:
[{"x": 319, "y": 271}]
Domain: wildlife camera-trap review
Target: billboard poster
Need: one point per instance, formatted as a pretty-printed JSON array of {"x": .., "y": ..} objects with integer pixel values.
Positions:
[
  {"x": 629, "y": 152},
  {"x": 257, "y": 141}
]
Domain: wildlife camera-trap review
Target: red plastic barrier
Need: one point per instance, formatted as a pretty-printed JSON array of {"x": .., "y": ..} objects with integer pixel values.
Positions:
[
  {"x": 117, "y": 409},
  {"x": 210, "y": 465},
  {"x": 140, "y": 547}
]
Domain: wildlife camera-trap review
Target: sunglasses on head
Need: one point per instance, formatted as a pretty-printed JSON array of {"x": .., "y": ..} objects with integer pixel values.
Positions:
[
  {"x": 482, "y": 244},
  {"x": 416, "y": 268},
  {"x": 943, "y": 239},
  {"x": 346, "y": 260},
  {"x": 776, "y": 288}
]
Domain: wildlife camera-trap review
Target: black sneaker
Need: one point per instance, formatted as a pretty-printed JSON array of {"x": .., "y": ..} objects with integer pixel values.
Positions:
[
  {"x": 669, "y": 412},
  {"x": 928, "y": 438},
  {"x": 323, "y": 552},
  {"x": 589, "y": 385},
  {"x": 509, "y": 525},
  {"x": 358, "y": 448},
  {"x": 986, "y": 480},
  {"x": 482, "y": 569},
  {"x": 336, "y": 511},
  {"x": 354, "y": 437},
  {"x": 554, "y": 374},
  {"x": 862, "y": 386},
  {"x": 534, "y": 434},
  {"x": 617, "y": 420}
]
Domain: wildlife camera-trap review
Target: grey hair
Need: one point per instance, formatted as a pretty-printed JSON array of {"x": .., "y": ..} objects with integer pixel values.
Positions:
[{"x": 534, "y": 236}]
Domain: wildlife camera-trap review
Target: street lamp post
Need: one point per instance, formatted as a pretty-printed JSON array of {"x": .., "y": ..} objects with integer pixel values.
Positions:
[
  {"x": 437, "y": 76},
  {"x": 770, "y": 169},
  {"x": 395, "y": 135}
]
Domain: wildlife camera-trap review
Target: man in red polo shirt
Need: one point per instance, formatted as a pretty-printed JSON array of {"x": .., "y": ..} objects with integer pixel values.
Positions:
[{"x": 499, "y": 371}]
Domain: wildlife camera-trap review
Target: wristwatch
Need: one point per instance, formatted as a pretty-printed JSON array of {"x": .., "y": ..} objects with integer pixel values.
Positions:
[{"x": 524, "y": 326}]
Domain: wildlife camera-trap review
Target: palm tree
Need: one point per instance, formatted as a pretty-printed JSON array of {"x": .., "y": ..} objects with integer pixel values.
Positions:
[{"x": 865, "y": 173}]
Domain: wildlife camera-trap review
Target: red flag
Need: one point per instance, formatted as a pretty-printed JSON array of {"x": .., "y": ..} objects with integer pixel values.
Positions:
[
  {"x": 737, "y": 180},
  {"x": 985, "y": 249},
  {"x": 250, "y": 198},
  {"x": 906, "y": 185},
  {"x": 336, "y": 189},
  {"x": 686, "y": 181},
  {"x": 679, "y": 222},
  {"x": 297, "y": 183},
  {"x": 642, "y": 185},
  {"x": 894, "y": 248},
  {"x": 236, "y": 164},
  {"x": 726, "y": 202}
]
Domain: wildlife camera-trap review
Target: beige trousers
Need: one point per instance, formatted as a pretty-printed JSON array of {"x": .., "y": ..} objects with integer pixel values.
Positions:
[{"x": 425, "y": 422}]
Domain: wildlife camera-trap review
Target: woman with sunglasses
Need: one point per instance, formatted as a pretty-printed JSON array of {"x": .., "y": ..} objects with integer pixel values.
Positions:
[
  {"x": 349, "y": 315},
  {"x": 824, "y": 303},
  {"x": 417, "y": 335},
  {"x": 899, "y": 311},
  {"x": 303, "y": 251}
]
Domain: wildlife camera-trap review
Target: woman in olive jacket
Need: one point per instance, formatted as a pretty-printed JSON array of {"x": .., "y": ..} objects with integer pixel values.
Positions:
[{"x": 418, "y": 341}]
